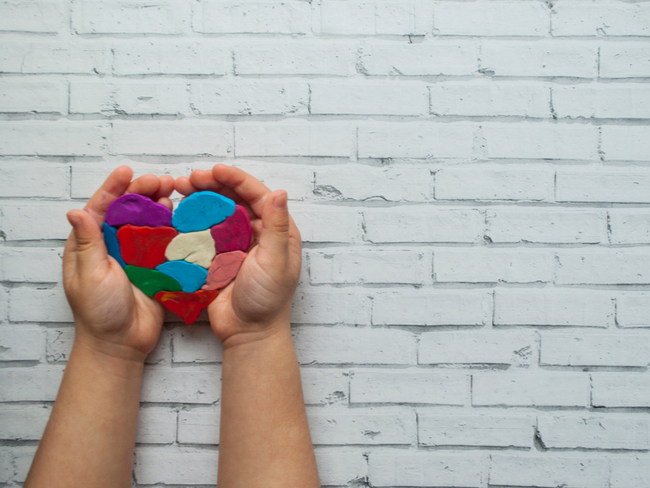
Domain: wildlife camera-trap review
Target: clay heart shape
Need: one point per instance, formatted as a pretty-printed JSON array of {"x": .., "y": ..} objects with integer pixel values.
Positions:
[{"x": 182, "y": 259}]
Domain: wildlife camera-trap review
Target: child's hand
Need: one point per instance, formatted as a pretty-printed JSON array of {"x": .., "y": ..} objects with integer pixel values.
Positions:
[
  {"x": 258, "y": 302},
  {"x": 111, "y": 315}
]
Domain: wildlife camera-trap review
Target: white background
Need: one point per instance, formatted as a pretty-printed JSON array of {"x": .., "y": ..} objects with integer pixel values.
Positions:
[{"x": 472, "y": 186}]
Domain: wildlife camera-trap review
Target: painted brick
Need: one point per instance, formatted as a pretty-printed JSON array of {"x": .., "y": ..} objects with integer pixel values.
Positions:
[
  {"x": 293, "y": 139},
  {"x": 340, "y": 467},
  {"x": 630, "y": 471},
  {"x": 403, "y": 267},
  {"x": 603, "y": 101},
  {"x": 166, "y": 466},
  {"x": 511, "y": 347},
  {"x": 298, "y": 57},
  {"x": 624, "y": 60},
  {"x": 52, "y": 305},
  {"x": 31, "y": 265},
  {"x": 488, "y": 98},
  {"x": 30, "y": 384},
  {"x": 221, "y": 97},
  {"x": 491, "y": 19},
  {"x": 27, "y": 178},
  {"x": 48, "y": 56},
  {"x": 546, "y": 225},
  {"x": 330, "y": 307},
  {"x": 432, "y": 57},
  {"x": 372, "y": 18},
  {"x": 6, "y": 465},
  {"x": 22, "y": 344},
  {"x": 508, "y": 141},
  {"x": 130, "y": 17},
  {"x": 170, "y": 57},
  {"x": 296, "y": 179},
  {"x": 553, "y": 307},
  {"x": 493, "y": 266},
  {"x": 361, "y": 426},
  {"x": 594, "y": 432},
  {"x": 320, "y": 223},
  {"x": 491, "y": 430},
  {"x": 620, "y": 390},
  {"x": 423, "y": 224},
  {"x": 386, "y": 184},
  {"x": 216, "y": 17},
  {"x": 625, "y": 143},
  {"x": 633, "y": 310},
  {"x": 629, "y": 226},
  {"x": 343, "y": 345},
  {"x": 415, "y": 141},
  {"x": 540, "y": 58},
  {"x": 156, "y": 425},
  {"x": 90, "y": 97},
  {"x": 325, "y": 386},
  {"x": 604, "y": 267},
  {"x": 23, "y": 422},
  {"x": 548, "y": 471},
  {"x": 409, "y": 386},
  {"x": 33, "y": 96},
  {"x": 183, "y": 137},
  {"x": 436, "y": 307},
  {"x": 59, "y": 344},
  {"x": 594, "y": 350},
  {"x": 22, "y": 457},
  {"x": 47, "y": 220},
  {"x": 426, "y": 469},
  {"x": 199, "y": 426},
  {"x": 42, "y": 16},
  {"x": 530, "y": 389},
  {"x": 369, "y": 98},
  {"x": 608, "y": 19},
  {"x": 180, "y": 385},
  {"x": 599, "y": 184},
  {"x": 196, "y": 344},
  {"x": 53, "y": 138},
  {"x": 495, "y": 182}
]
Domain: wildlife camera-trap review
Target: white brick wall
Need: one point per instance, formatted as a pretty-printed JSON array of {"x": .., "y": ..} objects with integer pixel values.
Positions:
[{"x": 471, "y": 184}]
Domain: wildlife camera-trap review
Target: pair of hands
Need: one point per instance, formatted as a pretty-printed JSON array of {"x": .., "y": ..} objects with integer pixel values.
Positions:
[{"x": 116, "y": 318}]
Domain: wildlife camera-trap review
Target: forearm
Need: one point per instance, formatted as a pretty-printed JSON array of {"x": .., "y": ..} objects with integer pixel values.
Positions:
[
  {"x": 90, "y": 437},
  {"x": 264, "y": 439}
]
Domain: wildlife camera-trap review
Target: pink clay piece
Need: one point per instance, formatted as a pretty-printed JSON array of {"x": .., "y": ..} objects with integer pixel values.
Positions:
[
  {"x": 234, "y": 233},
  {"x": 223, "y": 270}
]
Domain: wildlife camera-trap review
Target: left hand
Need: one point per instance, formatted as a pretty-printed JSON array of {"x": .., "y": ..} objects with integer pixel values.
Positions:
[{"x": 111, "y": 314}]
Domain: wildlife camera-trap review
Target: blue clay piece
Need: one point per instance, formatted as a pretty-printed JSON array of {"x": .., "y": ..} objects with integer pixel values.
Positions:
[
  {"x": 201, "y": 211},
  {"x": 112, "y": 244},
  {"x": 191, "y": 276}
]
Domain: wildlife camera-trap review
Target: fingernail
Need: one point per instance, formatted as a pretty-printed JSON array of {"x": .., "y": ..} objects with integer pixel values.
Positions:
[{"x": 280, "y": 200}]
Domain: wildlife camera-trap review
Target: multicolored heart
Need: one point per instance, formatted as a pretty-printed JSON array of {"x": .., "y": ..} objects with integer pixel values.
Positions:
[{"x": 181, "y": 259}]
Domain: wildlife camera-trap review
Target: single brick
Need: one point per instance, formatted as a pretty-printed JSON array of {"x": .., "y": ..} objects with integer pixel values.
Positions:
[
  {"x": 594, "y": 350},
  {"x": 156, "y": 425},
  {"x": 625, "y": 143},
  {"x": 603, "y": 267},
  {"x": 31, "y": 265},
  {"x": 43, "y": 16},
  {"x": 196, "y": 344},
  {"x": 39, "y": 384},
  {"x": 52, "y": 305},
  {"x": 325, "y": 223},
  {"x": 629, "y": 226},
  {"x": 33, "y": 96},
  {"x": 199, "y": 426},
  {"x": 180, "y": 385},
  {"x": 23, "y": 422},
  {"x": 325, "y": 386},
  {"x": 78, "y": 56},
  {"x": 47, "y": 220},
  {"x": 169, "y": 466},
  {"x": 633, "y": 309},
  {"x": 330, "y": 307},
  {"x": 373, "y": 18},
  {"x": 624, "y": 60},
  {"x": 338, "y": 467},
  {"x": 602, "y": 184},
  {"x": 620, "y": 390},
  {"x": 28, "y": 178},
  {"x": 22, "y": 344},
  {"x": 608, "y": 19},
  {"x": 630, "y": 471},
  {"x": 53, "y": 138},
  {"x": 603, "y": 101}
]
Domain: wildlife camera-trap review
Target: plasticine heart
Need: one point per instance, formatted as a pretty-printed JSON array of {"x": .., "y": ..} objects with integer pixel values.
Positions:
[{"x": 182, "y": 259}]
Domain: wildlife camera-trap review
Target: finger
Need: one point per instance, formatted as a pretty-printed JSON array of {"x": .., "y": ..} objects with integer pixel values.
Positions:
[
  {"x": 248, "y": 188},
  {"x": 166, "y": 202},
  {"x": 146, "y": 185},
  {"x": 183, "y": 186},
  {"x": 276, "y": 225},
  {"x": 69, "y": 258},
  {"x": 113, "y": 188},
  {"x": 165, "y": 188},
  {"x": 90, "y": 250},
  {"x": 204, "y": 181}
]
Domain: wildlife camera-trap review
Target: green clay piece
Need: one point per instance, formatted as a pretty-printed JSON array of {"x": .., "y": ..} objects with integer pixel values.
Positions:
[{"x": 151, "y": 281}]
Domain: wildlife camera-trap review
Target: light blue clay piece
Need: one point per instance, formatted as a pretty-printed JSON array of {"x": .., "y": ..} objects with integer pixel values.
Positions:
[
  {"x": 202, "y": 210},
  {"x": 112, "y": 244},
  {"x": 191, "y": 276}
]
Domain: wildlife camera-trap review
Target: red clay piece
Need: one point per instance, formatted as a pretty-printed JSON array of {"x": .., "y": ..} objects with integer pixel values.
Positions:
[
  {"x": 144, "y": 246},
  {"x": 234, "y": 233},
  {"x": 188, "y": 306},
  {"x": 223, "y": 270}
]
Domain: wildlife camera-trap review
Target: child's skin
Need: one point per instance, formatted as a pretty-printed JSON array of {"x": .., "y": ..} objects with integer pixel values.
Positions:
[{"x": 265, "y": 442}]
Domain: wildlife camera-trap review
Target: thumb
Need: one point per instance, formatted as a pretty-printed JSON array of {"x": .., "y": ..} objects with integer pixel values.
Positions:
[
  {"x": 90, "y": 249},
  {"x": 274, "y": 237}
]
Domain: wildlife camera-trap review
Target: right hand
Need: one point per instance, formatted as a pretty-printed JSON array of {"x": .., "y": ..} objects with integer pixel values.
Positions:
[{"x": 258, "y": 302}]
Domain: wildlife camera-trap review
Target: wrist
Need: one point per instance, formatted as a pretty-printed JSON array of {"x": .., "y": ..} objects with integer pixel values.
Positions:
[
  {"x": 117, "y": 357},
  {"x": 251, "y": 337}
]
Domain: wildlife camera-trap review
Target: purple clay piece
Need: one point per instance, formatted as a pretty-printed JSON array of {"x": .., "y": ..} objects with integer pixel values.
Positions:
[{"x": 138, "y": 210}]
